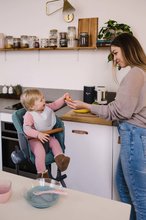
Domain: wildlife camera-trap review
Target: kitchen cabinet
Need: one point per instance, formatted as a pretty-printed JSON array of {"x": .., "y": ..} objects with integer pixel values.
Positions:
[{"x": 90, "y": 149}]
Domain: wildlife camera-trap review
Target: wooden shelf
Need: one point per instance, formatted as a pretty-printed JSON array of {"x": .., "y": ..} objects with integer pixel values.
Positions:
[{"x": 43, "y": 49}]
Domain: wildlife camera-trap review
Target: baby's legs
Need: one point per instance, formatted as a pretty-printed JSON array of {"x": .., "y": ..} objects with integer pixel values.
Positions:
[
  {"x": 40, "y": 155},
  {"x": 61, "y": 160},
  {"x": 55, "y": 146}
]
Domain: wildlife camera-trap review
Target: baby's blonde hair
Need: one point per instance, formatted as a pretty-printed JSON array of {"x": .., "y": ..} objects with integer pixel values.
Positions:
[{"x": 28, "y": 98}]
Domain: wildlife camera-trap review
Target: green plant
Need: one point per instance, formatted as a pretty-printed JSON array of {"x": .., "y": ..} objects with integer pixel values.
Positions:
[{"x": 113, "y": 29}]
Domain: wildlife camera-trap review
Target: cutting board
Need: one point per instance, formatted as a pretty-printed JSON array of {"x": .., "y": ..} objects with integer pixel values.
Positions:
[{"x": 84, "y": 118}]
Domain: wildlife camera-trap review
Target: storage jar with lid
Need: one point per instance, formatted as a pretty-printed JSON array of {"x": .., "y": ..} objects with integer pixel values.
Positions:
[
  {"x": 53, "y": 38},
  {"x": 9, "y": 42},
  {"x": 24, "y": 43},
  {"x": 71, "y": 32},
  {"x": 84, "y": 39},
  {"x": 2, "y": 40},
  {"x": 63, "y": 39},
  {"x": 16, "y": 42},
  {"x": 44, "y": 42}
]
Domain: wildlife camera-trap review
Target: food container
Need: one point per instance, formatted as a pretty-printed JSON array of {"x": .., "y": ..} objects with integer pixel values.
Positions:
[
  {"x": 24, "y": 41},
  {"x": 5, "y": 190},
  {"x": 84, "y": 39},
  {"x": 2, "y": 40},
  {"x": 53, "y": 38},
  {"x": 9, "y": 42}
]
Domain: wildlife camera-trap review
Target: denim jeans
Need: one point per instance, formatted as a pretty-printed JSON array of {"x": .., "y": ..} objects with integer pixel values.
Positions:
[{"x": 131, "y": 169}]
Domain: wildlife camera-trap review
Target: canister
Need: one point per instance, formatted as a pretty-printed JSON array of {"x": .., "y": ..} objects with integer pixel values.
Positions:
[
  {"x": 84, "y": 39},
  {"x": 89, "y": 94},
  {"x": 2, "y": 40}
]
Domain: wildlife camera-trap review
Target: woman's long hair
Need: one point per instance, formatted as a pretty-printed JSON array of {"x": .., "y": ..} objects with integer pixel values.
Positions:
[{"x": 132, "y": 51}]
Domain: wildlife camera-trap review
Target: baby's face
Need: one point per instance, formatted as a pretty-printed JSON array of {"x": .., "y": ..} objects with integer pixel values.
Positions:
[{"x": 39, "y": 104}]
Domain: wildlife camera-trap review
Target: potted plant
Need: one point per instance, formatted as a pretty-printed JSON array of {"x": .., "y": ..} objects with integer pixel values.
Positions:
[
  {"x": 110, "y": 31},
  {"x": 113, "y": 29}
]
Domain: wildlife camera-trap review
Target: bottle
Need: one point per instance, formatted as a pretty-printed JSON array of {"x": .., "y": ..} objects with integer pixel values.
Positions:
[
  {"x": 4, "y": 89},
  {"x": 10, "y": 90}
]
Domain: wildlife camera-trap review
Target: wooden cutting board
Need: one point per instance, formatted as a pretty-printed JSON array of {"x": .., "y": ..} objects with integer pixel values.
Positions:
[{"x": 84, "y": 118}]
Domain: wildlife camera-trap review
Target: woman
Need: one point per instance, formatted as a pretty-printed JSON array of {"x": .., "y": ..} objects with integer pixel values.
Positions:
[{"x": 129, "y": 109}]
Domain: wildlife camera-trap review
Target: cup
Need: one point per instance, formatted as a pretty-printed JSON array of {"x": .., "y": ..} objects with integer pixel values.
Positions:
[{"x": 5, "y": 190}]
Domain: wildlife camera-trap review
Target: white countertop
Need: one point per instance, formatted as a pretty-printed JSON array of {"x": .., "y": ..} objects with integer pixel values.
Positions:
[{"x": 73, "y": 206}]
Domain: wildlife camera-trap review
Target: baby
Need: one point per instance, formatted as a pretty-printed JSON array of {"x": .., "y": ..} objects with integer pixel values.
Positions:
[{"x": 38, "y": 118}]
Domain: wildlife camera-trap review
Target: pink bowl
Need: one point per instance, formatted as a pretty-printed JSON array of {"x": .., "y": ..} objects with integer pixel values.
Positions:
[{"x": 5, "y": 190}]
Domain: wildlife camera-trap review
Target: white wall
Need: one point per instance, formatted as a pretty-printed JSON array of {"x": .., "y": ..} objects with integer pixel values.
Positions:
[{"x": 63, "y": 69}]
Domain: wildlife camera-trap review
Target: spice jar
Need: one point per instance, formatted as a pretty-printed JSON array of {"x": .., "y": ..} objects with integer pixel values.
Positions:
[
  {"x": 24, "y": 41},
  {"x": 53, "y": 38},
  {"x": 8, "y": 42},
  {"x": 44, "y": 42},
  {"x": 63, "y": 39},
  {"x": 84, "y": 39},
  {"x": 2, "y": 40},
  {"x": 16, "y": 43}
]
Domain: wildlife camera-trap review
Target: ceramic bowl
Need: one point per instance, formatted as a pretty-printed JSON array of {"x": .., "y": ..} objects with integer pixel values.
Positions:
[
  {"x": 5, "y": 190},
  {"x": 44, "y": 200}
]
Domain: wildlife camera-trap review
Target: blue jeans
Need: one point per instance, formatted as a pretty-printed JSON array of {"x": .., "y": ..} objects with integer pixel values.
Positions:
[{"x": 131, "y": 169}]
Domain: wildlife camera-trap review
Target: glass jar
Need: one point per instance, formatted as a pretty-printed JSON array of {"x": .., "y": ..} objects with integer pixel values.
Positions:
[
  {"x": 31, "y": 41},
  {"x": 24, "y": 41},
  {"x": 53, "y": 38},
  {"x": 2, "y": 40},
  {"x": 9, "y": 42},
  {"x": 63, "y": 39},
  {"x": 16, "y": 43},
  {"x": 71, "y": 32},
  {"x": 84, "y": 39},
  {"x": 44, "y": 42}
]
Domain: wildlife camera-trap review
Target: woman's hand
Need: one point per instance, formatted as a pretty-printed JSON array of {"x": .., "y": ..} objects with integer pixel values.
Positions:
[
  {"x": 43, "y": 137},
  {"x": 77, "y": 104}
]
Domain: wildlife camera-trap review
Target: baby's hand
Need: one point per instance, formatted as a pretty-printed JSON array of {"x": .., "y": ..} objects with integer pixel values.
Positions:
[
  {"x": 67, "y": 97},
  {"x": 43, "y": 137}
]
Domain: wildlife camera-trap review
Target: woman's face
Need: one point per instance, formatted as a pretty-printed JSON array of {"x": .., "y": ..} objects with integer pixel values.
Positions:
[{"x": 118, "y": 57}]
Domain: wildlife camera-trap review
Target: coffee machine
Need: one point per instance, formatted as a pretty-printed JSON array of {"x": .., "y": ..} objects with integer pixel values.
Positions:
[{"x": 101, "y": 95}]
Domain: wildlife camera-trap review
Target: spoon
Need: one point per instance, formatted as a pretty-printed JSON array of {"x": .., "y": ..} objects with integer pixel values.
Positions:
[{"x": 60, "y": 192}]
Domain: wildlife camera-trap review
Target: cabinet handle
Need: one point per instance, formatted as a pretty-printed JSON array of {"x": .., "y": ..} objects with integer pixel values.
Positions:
[{"x": 79, "y": 132}]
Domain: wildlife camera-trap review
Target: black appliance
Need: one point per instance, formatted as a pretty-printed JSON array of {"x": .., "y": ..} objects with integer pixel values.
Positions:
[{"x": 89, "y": 94}]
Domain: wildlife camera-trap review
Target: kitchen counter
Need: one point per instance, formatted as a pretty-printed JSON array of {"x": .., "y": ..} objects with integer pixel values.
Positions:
[
  {"x": 64, "y": 113},
  {"x": 84, "y": 118}
]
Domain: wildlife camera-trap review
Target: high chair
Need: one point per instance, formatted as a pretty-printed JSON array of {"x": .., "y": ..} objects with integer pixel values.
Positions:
[{"x": 23, "y": 154}]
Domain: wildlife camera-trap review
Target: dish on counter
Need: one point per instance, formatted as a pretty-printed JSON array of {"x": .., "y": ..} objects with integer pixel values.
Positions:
[
  {"x": 41, "y": 200},
  {"x": 82, "y": 111},
  {"x": 42, "y": 194}
]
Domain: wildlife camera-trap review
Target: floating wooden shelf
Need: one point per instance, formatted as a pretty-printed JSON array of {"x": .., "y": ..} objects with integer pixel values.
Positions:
[{"x": 43, "y": 49}]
